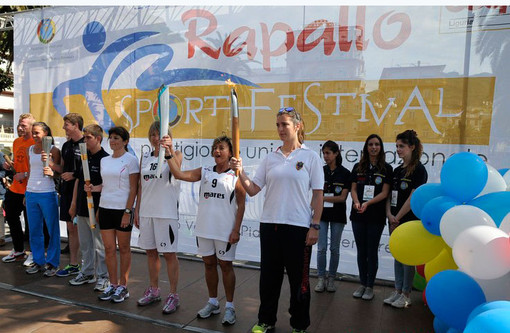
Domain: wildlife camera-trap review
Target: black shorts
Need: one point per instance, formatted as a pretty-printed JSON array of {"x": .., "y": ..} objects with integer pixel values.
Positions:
[{"x": 111, "y": 219}]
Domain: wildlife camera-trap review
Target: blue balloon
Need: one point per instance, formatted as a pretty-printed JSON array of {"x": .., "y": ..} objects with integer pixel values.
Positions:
[
  {"x": 433, "y": 211},
  {"x": 464, "y": 176},
  {"x": 487, "y": 307},
  {"x": 492, "y": 321},
  {"x": 422, "y": 195},
  {"x": 503, "y": 171},
  {"x": 495, "y": 204},
  {"x": 452, "y": 296},
  {"x": 440, "y": 326}
]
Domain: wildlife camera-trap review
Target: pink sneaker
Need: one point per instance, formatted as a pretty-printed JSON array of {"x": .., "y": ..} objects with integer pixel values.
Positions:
[
  {"x": 150, "y": 296},
  {"x": 171, "y": 303}
]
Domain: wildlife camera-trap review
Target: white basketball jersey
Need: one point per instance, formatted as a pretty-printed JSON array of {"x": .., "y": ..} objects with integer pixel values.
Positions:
[
  {"x": 217, "y": 205},
  {"x": 160, "y": 196}
]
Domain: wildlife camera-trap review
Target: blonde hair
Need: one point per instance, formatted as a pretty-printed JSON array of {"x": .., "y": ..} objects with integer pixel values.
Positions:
[
  {"x": 26, "y": 116},
  {"x": 297, "y": 120}
]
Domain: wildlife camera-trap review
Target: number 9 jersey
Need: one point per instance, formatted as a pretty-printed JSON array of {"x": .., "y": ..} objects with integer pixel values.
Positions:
[{"x": 217, "y": 205}]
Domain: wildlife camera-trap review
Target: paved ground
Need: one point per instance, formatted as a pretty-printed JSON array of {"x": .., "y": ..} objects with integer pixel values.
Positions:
[{"x": 33, "y": 303}]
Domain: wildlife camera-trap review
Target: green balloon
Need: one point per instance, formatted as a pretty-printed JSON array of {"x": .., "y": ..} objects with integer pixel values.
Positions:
[{"x": 419, "y": 282}]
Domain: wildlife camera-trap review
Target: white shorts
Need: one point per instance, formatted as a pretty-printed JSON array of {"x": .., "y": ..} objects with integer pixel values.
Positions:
[
  {"x": 223, "y": 250},
  {"x": 158, "y": 233}
]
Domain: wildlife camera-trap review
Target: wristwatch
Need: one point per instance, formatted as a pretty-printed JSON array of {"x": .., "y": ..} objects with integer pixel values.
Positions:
[
  {"x": 128, "y": 211},
  {"x": 168, "y": 157},
  {"x": 316, "y": 226}
]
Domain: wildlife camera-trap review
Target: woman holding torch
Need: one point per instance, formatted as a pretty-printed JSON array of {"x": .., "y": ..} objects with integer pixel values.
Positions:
[
  {"x": 42, "y": 201},
  {"x": 289, "y": 224},
  {"x": 157, "y": 217},
  {"x": 218, "y": 222}
]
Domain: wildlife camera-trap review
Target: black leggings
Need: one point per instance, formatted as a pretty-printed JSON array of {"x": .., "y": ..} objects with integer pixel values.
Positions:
[{"x": 367, "y": 236}]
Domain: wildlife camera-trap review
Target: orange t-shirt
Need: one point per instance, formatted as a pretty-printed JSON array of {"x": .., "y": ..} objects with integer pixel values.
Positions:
[{"x": 19, "y": 148}]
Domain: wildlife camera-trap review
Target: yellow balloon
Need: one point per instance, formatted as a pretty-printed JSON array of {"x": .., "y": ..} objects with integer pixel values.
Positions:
[
  {"x": 440, "y": 263},
  {"x": 413, "y": 245}
]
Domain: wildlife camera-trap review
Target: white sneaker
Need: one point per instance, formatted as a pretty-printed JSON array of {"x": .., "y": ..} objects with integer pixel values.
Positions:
[
  {"x": 14, "y": 256},
  {"x": 368, "y": 294},
  {"x": 30, "y": 261},
  {"x": 359, "y": 292},
  {"x": 393, "y": 297},
  {"x": 330, "y": 286},
  {"x": 102, "y": 284},
  {"x": 319, "y": 288},
  {"x": 402, "y": 302}
]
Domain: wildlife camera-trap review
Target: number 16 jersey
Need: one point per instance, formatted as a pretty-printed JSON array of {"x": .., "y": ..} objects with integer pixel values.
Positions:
[{"x": 217, "y": 205}]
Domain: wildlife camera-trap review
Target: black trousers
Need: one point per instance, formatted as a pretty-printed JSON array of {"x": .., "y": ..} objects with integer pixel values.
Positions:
[
  {"x": 367, "y": 236},
  {"x": 13, "y": 206},
  {"x": 282, "y": 247}
]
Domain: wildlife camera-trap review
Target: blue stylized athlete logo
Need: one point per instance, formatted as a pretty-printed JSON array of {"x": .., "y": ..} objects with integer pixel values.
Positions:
[{"x": 90, "y": 85}]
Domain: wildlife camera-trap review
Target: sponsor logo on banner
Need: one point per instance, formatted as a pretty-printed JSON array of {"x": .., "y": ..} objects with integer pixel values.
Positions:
[{"x": 46, "y": 30}]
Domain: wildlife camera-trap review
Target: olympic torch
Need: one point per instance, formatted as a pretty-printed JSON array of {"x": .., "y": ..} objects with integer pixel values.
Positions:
[
  {"x": 46, "y": 146},
  {"x": 164, "y": 115},
  {"x": 86, "y": 176},
  {"x": 234, "y": 113}
]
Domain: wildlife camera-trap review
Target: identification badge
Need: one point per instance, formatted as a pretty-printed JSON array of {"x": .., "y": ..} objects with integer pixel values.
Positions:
[
  {"x": 328, "y": 204},
  {"x": 368, "y": 192},
  {"x": 394, "y": 198}
]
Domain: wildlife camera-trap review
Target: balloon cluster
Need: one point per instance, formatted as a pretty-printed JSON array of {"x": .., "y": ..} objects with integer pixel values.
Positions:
[{"x": 461, "y": 246}]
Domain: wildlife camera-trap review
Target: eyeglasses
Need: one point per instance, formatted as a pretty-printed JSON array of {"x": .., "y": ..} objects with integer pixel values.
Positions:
[{"x": 288, "y": 110}]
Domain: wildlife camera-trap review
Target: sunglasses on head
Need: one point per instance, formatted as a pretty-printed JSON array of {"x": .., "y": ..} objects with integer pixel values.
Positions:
[{"x": 289, "y": 110}]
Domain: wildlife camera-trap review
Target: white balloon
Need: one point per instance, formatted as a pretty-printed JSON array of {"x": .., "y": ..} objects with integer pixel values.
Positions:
[
  {"x": 505, "y": 224},
  {"x": 483, "y": 252},
  {"x": 495, "y": 182},
  {"x": 506, "y": 177},
  {"x": 496, "y": 289},
  {"x": 459, "y": 218}
]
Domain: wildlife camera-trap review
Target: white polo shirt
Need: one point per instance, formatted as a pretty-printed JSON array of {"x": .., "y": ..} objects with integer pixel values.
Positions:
[{"x": 290, "y": 181}]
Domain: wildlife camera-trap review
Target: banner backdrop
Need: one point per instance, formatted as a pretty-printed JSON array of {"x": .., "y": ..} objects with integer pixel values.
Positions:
[{"x": 351, "y": 71}]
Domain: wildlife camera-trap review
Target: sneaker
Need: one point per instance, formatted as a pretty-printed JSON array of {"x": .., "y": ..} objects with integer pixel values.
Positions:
[
  {"x": 82, "y": 279},
  {"x": 230, "y": 316},
  {"x": 319, "y": 288},
  {"x": 368, "y": 294},
  {"x": 171, "y": 303},
  {"x": 121, "y": 293},
  {"x": 107, "y": 294},
  {"x": 30, "y": 261},
  {"x": 359, "y": 292},
  {"x": 261, "y": 328},
  {"x": 102, "y": 284},
  {"x": 150, "y": 296},
  {"x": 14, "y": 256},
  {"x": 68, "y": 270},
  {"x": 402, "y": 302},
  {"x": 34, "y": 269},
  {"x": 50, "y": 270},
  {"x": 330, "y": 286},
  {"x": 208, "y": 310},
  {"x": 393, "y": 297}
]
